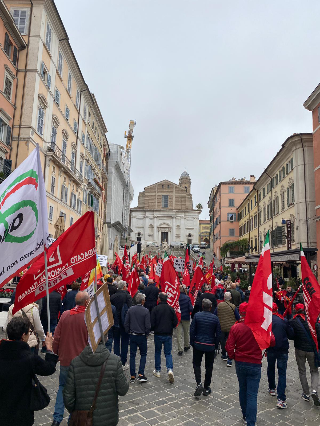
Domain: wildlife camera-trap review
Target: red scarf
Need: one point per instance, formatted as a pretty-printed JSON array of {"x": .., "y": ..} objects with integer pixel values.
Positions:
[
  {"x": 77, "y": 310},
  {"x": 301, "y": 315},
  {"x": 277, "y": 314}
]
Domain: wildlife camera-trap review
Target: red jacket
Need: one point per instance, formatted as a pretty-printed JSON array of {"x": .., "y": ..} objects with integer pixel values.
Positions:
[
  {"x": 70, "y": 337},
  {"x": 242, "y": 346}
]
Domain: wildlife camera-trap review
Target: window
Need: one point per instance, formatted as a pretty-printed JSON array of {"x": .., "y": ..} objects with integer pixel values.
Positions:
[
  {"x": 57, "y": 97},
  {"x": 255, "y": 200},
  {"x": 69, "y": 82},
  {"x": 231, "y": 217},
  {"x": 251, "y": 204},
  {"x": 290, "y": 195},
  {"x": 15, "y": 55},
  {"x": 85, "y": 112},
  {"x": 231, "y": 202},
  {"x": 255, "y": 221},
  {"x": 85, "y": 196},
  {"x": 276, "y": 207},
  {"x": 73, "y": 160},
  {"x": 79, "y": 206},
  {"x": 231, "y": 232},
  {"x": 40, "y": 120},
  {"x": 50, "y": 213},
  {"x": 53, "y": 137},
  {"x": 246, "y": 189},
  {"x": 64, "y": 150},
  {"x": 44, "y": 73},
  {"x": 75, "y": 126},
  {"x": 20, "y": 19},
  {"x": 48, "y": 36},
  {"x": 260, "y": 196},
  {"x": 7, "y": 45},
  {"x": 7, "y": 87},
  {"x": 264, "y": 214},
  {"x": 64, "y": 215},
  {"x": 83, "y": 138},
  {"x": 67, "y": 113},
  {"x": 78, "y": 99},
  {"x": 60, "y": 63},
  {"x": 231, "y": 189},
  {"x": 53, "y": 184},
  {"x": 276, "y": 180},
  {"x": 71, "y": 221},
  {"x": 5, "y": 133},
  {"x": 282, "y": 201},
  {"x": 73, "y": 200},
  {"x": 81, "y": 167},
  {"x": 280, "y": 175},
  {"x": 165, "y": 201}
]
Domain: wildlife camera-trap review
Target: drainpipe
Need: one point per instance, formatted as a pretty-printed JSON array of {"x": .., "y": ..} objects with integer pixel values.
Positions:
[
  {"x": 305, "y": 190},
  {"x": 24, "y": 81}
]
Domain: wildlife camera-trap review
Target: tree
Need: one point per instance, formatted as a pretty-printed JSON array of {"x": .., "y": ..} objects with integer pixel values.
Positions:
[{"x": 199, "y": 206}]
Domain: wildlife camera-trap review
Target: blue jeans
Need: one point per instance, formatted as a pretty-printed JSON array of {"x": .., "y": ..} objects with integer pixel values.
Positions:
[
  {"x": 282, "y": 360},
  {"x": 117, "y": 334},
  {"x": 249, "y": 376},
  {"x": 59, "y": 407},
  {"x": 166, "y": 341},
  {"x": 109, "y": 343},
  {"x": 135, "y": 343}
]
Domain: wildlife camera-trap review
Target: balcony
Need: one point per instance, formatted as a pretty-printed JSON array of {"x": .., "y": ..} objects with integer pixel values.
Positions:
[
  {"x": 93, "y": 186},
  {"x": 68, "y": 166}
]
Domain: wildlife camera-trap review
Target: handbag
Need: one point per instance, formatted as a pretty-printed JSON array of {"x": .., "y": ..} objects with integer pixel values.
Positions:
[
  {"x": 85, "y": 417},
  {"x": 39, "y": 395}
]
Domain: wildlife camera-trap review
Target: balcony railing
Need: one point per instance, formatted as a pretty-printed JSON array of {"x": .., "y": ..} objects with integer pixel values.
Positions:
[
  {"x": 94, "y": 185},
  {"x": 61, "y": 156}
]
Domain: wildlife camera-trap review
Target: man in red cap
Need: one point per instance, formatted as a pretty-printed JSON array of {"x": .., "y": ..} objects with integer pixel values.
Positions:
[
  {"x": 242, "y": 346},
  {"x": 279, "y": 354},
  {"x": 305, "y": 350}
]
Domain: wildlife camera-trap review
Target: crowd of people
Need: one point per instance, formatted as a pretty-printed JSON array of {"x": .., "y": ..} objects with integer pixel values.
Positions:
[{"x": 215, "y": 323}]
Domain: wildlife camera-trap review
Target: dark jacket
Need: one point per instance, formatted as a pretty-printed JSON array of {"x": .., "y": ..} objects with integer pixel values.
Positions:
[
  {"x": 300, "y": 332},
  {"x": 205, "y": 331},
  {"x": 112, "y": 289},
  {"x": 119, "y": 299},
  {"x": 55, "y": 307},
  {"x": 211, "y": 297},
  {"x": 163, "y": 319},
  {"x": 17, "y": 367},
  {"x": 69, "y": 301},
  {"x": 185, "y": 307},
  {"x": 115, "y": 322},
  {"x": 235, "y": 297},
  {"x": 82, "y": 381},
  {"x": 138, "y": 320},
  {"x": 282, "y": 330},
  {"x": 151, "y": 293}
]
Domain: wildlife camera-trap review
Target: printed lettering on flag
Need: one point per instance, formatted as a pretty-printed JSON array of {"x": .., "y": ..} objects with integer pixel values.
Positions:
[
  {"x": 170, "y": 285},
  {"x": 178, "y": 264}
]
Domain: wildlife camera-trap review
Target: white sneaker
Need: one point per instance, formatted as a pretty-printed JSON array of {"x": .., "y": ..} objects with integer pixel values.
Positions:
[
  {"x": 126, "y": 366},
  {"x": 156, "y": 373},
  {"x": 171, "y": 376}
]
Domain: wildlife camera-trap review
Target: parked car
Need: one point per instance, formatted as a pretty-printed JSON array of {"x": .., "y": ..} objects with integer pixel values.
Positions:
[
  {"x": 175, "y": 244},
  {"x": 203, "y": 245},
  {"x": 195, "y": 248}
]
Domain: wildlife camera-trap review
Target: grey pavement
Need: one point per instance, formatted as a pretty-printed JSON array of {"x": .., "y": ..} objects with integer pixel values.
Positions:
[{"x": 158, "y": 402}]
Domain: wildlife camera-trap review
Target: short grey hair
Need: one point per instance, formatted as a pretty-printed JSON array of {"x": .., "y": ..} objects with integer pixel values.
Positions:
[
  {"x": 206, "y": 304},
  {"x": 140, "y": 297},
  {"x": 227, "y": 296},
  {"x": 121, "y": 285}
]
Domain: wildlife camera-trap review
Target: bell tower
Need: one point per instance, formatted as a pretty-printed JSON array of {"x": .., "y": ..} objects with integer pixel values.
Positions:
[{"x": 185, "y": 182}]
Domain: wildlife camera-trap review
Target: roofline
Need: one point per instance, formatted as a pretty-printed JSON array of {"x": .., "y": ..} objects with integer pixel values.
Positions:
[
  {"x": 312, "y": 101},
  {"x": 13, "y": 26}
]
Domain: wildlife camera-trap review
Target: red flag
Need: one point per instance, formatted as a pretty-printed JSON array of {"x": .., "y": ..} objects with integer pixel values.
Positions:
[
  {"x": 197, "y": 282},
  {"x": 143, "y": 263},
  {"x": 259, "y": 311},
  {"x": 134, "y": 260},
  {"x": 201, "y": 261},
  {"x": 186, "y": 277},
  {"x": 62, "y": 290},
  {"x": 72, "y": 255},
  {"x": 134, "y": 282},
  {"x": 153, "y": 265},
  {"x": 311, "y": 295},
  {"x": 170, "y": 284}
]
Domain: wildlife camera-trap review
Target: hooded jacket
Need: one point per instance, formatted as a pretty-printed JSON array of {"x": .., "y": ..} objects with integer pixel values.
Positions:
[{"x": 82, "y": 381}]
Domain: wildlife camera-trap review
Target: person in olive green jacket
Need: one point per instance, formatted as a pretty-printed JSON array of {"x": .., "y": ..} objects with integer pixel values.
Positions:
[{"x": 82, "y": 381}]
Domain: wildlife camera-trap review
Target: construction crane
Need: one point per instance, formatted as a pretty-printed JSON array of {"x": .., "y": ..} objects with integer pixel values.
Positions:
[{"x": 129, "y": 136}]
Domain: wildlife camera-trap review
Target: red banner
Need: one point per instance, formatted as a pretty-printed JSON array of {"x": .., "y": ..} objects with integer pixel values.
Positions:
[
  {"x": 134, "y": 282},
  {"x": 71, "y": 256},
  {"x": 197, "y": 282},
  {"x": 170, "y": 284}
]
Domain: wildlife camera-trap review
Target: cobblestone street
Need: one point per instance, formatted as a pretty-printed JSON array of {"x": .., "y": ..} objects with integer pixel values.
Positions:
[{"x": 158, "y": 402}]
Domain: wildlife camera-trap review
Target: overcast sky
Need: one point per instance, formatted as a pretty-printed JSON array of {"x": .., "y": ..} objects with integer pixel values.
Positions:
[{"x": 214, "y": 86}]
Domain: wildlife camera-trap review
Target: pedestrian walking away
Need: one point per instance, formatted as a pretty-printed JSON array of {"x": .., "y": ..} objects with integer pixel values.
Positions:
[
  {"x": 163, "y": 321},
  {"x": 204, "y": 338},
  {"x": 183, "y": 329},
  {"x": 138, "y": 325}
]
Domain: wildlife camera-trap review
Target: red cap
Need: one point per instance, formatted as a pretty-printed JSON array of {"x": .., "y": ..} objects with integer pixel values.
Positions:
[
  {"x": 274, "y": 307},
  {"x": 243, "y": 308},
  {"x": 299, "y": 307}
]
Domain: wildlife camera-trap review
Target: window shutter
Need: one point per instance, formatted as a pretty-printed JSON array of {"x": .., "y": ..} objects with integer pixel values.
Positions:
[
  {"x": 6, "y": 43},
  {"x": 8, "y": 137},
  {"x": 49, "y": 81},
  {"x": 42, "y": 70},
  {"x": 62, "y": 192},
  {"x": 292, "y": 193},
  {"x": 288, "y": 197},
  {"x": 15, "y": 55}
]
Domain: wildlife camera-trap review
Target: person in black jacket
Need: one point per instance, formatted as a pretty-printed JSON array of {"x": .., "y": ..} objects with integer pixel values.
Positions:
[
  {"x": 163, "y": 321},
  {"x": 69, "y": 300},
  {"x": 305, "y": 350},
  {"x": 204, "y": 337},
  {"x": 111, "y": 287},
  {"x": 183, "y": 329},
  {"x": 152, "y": 293},
  {"x": 122, "y": 302},
  {"x": 55, "y": 307},
  {"x": 208, "y": 295},
  {"x": 17, "y": 368},
  {"x": 282, "y": 330}
]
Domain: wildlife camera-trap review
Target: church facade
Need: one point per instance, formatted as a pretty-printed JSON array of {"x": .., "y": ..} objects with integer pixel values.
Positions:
[{"x": 165, "y": 213}]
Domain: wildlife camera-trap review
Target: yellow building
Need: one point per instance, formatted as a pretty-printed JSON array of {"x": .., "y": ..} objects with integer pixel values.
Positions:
[
  {"x": 248, "y": 220},
  {"x": 57, "y": 111},
  {"x": 204, "y": 231}
]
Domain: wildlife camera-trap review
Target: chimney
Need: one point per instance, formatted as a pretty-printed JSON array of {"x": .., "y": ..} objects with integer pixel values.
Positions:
[{"x": 252, "y": 178}]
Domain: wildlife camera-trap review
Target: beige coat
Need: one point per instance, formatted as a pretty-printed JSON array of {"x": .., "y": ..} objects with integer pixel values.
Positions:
[{"x": 32, "y": 312}]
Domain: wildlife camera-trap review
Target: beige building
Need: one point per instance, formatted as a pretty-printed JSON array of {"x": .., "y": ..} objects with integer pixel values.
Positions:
[
  {"x": 56, "y": 110},
  {"x": 204, "y": 231},
  {"x": 165, "y": 213}
]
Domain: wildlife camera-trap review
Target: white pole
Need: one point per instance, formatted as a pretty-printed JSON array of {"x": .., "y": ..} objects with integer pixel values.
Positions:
[
  {"x": 47, "y": 288},
  {"x": 97, "y": 306}
]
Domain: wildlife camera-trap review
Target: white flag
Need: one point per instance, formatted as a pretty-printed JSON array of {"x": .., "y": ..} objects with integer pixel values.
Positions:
[{"x": 23, "y": 217}]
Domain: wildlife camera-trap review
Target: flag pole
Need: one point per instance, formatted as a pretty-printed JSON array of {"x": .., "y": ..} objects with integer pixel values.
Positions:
[
  {"x": 47, "y": 287},
  {"x": 97, "y": 306},
  {"x": 291, "y": 301}
]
